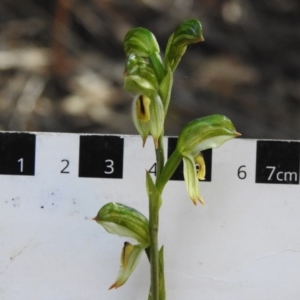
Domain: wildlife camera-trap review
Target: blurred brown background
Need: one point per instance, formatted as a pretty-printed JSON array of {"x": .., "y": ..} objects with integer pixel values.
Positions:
[{"x": 62, "y": 62}]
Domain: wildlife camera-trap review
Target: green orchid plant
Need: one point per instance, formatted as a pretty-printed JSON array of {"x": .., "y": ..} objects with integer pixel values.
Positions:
[{"x": 150, "y": 79}]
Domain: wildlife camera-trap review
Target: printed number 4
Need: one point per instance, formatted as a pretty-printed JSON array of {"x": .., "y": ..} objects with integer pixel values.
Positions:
[
  {"x": 152, "y": 170},
  {"x": 109, "y": 166}
]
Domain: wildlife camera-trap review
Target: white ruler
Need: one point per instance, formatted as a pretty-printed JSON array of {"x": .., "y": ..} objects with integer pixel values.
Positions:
[{"x": 243, "y": 244}]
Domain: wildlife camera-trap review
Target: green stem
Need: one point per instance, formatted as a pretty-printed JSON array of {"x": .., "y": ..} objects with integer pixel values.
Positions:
[
  {"x": 154, "y": 223},
  {"x": 160, "y": 157},
  {"x": 153, "y": 231},
  {"x": 168, "y": 170}
]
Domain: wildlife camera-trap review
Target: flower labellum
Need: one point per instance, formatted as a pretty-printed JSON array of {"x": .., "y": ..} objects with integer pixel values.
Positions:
[
  {"x": 199, "y": 160},
  {"x": 143, "y": 108},
  {"x": 141, "y": 116}
]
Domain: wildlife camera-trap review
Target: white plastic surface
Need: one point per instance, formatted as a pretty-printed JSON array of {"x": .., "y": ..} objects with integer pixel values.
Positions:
[{"x": 243, "y": 244}]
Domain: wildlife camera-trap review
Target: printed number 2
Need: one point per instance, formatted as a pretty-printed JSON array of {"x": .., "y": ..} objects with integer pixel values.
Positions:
[
  {"x": 109, "y": 166},
  {"x": 64, "y": 170}
]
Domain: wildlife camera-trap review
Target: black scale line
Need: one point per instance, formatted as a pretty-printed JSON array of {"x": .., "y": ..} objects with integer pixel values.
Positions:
[
  {"x": 17, "y": 153},
  {"x": 277, "y": 162}
]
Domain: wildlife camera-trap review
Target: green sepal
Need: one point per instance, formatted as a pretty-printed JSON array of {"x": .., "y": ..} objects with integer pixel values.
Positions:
[
  {"x": 157, "y": 65},
  {"x": 205, "y": 133},
  {"x": 140, "y": 41},
  {"x": 157, "y": 118},
  {"x": 165, "y": 89},
  {"x": 130, "y": 257},
  {"x": 139, "y": 76},
  {"x": 188, "y": 32},
  {"x": 125, "y": 221}
]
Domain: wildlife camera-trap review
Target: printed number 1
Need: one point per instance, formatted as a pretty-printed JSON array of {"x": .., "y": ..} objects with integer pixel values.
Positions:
[
  {"x": 109, "y": 166},
  {"x": 21, "y": 164}
]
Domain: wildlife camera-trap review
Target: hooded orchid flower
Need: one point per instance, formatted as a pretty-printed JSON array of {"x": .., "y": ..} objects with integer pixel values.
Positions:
[
  {"x": 125, "y": 221},
  {"x": 201, "y": 134}
]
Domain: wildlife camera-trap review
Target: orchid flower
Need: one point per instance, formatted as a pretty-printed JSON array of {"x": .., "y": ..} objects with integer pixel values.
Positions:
[
  {"x": 125, "y": 221},
  {"x": 201, "y": 134}
]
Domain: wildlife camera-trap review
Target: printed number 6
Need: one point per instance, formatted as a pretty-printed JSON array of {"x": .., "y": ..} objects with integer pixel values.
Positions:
[
  {"x": 109, "y": 166},
  {"x": 241, "y": 173}
]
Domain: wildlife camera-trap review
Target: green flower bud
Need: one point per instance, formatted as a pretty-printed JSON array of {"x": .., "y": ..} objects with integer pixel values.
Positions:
[
  {"x": 140, "y": 77},
  {"x": 125, "y": 221},
  {"x": 140, "y": 41},
  {"x": 188, "y": 32},
  {"x": 130, "y": 257},
  {"x": 198, "y": 135}
]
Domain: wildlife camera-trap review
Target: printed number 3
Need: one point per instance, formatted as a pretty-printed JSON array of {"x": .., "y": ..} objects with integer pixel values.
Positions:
[{"x": 109, "y": 166}]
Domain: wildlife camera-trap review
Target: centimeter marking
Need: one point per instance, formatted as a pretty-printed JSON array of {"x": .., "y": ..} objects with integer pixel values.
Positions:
[{"x": 102, "y": 156}]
